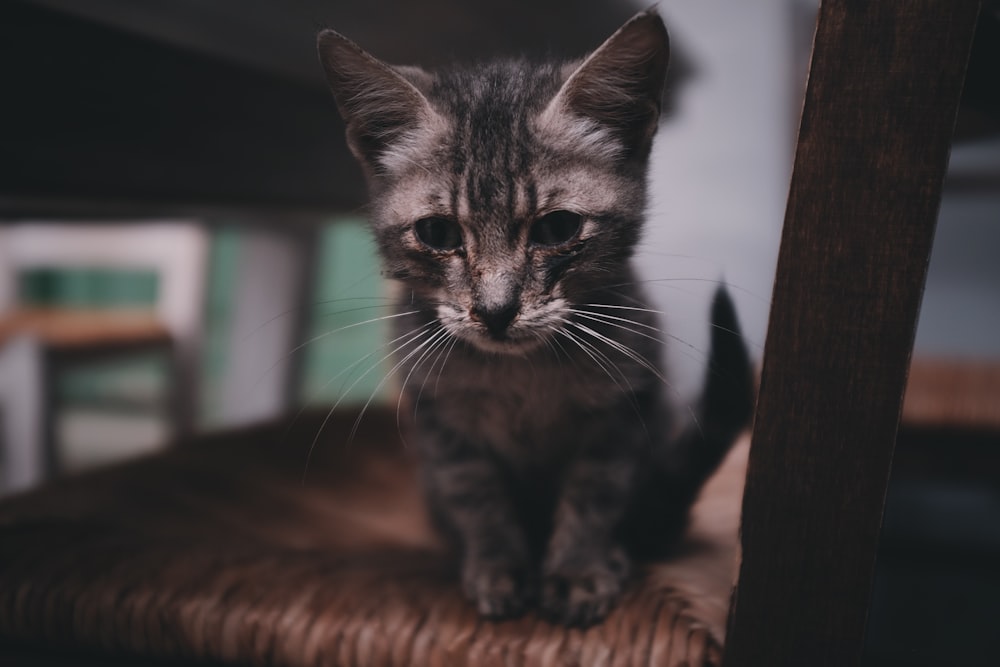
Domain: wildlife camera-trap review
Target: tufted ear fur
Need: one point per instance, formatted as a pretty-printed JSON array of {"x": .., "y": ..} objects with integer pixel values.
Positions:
[
  {"x": 618, "y": 88},
  {"x": 380, "y": 106}
]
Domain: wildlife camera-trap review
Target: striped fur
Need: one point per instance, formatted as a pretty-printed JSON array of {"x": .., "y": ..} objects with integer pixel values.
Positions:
[{"x": 533, "y": 367}]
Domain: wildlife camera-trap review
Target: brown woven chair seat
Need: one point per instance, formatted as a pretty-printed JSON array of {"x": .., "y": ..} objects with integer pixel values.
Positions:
[{"x": 219, "y": 551}]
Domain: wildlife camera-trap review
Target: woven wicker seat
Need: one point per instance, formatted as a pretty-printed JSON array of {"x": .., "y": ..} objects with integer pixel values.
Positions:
[
  {"x": 219, "y": 551},
  {"x": 216, "y": 552}
]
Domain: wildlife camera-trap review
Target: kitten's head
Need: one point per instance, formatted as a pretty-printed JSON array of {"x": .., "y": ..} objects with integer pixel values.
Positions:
[{"x": 505, "y": 194}]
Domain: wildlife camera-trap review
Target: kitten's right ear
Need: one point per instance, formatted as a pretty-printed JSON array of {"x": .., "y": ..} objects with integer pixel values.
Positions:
[
  {"x": 620, "y": 85},
  {"x": 378, "y": 105}
]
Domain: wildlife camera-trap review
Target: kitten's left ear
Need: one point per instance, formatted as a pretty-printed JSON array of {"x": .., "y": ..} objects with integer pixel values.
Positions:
[
  {"x": 620, "y": 85},
  {"x": 379, "y": 104}
]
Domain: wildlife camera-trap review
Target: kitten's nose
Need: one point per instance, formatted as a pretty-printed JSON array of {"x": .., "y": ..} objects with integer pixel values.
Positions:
[{"x": 496, "y": 319}]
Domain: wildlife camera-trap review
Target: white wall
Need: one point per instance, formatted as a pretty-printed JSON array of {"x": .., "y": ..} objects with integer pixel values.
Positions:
[
  {"x": 719, "y": 182},
  {"x": 960, "y": 313},
  {"x": 261, "y": 345},
  {"x": 720, "y": 173}
]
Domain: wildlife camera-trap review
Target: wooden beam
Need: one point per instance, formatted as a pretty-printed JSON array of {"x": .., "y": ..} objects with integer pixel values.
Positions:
[
  {"x": 98, "y": 120},
  {"x": 873, "y": 146}
]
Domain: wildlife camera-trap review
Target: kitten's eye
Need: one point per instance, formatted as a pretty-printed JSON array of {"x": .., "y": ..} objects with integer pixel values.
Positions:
[
  {"x": 439, "y": 233},
  {"x": 556, "y": 228}
]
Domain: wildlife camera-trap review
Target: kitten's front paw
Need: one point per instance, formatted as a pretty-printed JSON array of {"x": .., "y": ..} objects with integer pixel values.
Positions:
[
  {"x": 498, "y": 590},
  {"x": 582, "y": 592}
]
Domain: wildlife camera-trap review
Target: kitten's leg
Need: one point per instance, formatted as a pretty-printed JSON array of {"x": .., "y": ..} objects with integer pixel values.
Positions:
[
  {"x": 468, "y": 492},
  {"x": 585, "y": 565}
]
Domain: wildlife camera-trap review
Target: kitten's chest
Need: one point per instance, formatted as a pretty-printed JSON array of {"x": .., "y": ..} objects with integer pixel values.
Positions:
[{"x": 529, "y": 414}]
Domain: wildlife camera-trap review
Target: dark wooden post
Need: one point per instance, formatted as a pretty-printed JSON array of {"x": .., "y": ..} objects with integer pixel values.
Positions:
[{"x": 884, "y": 86}]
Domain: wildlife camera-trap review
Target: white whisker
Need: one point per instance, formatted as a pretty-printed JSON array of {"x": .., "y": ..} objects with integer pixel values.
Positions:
[
  {"x": 437, "y": 381},
  {"x": 440, "y": 339},
  {"x": 321, "y": 336},
  {"x": 350, "y": 367},
  {"x": 313, "y": 304},
  {"x": 600, "y": 359},
  {"x": 410, "y": 336},
  {"x": 624, "y": 349},
  {"x": 432, "y": 337},
  {"x": 713, "y": 325},
  {"x": 351, "y": 326},
  {"x": 584, "y": 345},
  {"x": 442, "y": 350},
  {"x": 618, "y": 307},
  {"x": 612, "y": 321},
  {"x": 639, "y": 359}
]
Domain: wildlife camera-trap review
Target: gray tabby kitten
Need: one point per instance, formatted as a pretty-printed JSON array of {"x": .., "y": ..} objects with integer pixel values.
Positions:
[{"x": 508, "y": 198}]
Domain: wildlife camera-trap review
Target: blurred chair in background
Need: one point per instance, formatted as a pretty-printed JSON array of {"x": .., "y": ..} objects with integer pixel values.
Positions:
[{"x": 78, "y": 296}]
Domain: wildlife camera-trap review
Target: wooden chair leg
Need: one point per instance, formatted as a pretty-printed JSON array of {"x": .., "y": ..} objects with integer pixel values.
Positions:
[
  {"x": 884, "y": 86},
  {"x": 22, "y": 400},
  {"x": 182, "y": 398}
]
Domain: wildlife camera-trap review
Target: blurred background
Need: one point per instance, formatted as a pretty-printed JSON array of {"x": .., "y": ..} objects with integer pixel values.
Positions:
[{"x": 183, "y": 244}]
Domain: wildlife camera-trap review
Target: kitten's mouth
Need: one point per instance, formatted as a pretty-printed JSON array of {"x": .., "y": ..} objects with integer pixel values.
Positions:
[
  {"x": 504, "y": 343},
  {"x": 514, "y": 340}
]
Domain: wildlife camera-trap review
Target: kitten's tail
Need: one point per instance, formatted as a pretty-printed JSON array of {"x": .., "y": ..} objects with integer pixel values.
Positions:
[
  {"x": 727, "y": 401},
  {"x": 725, "y": 409}
]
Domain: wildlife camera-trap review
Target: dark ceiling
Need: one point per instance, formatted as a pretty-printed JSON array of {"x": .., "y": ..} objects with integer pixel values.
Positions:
[
  {"x": 165, "y": 105},
  {"x": 188, "y": 105},
  {"x": 278, "y": 35}
]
